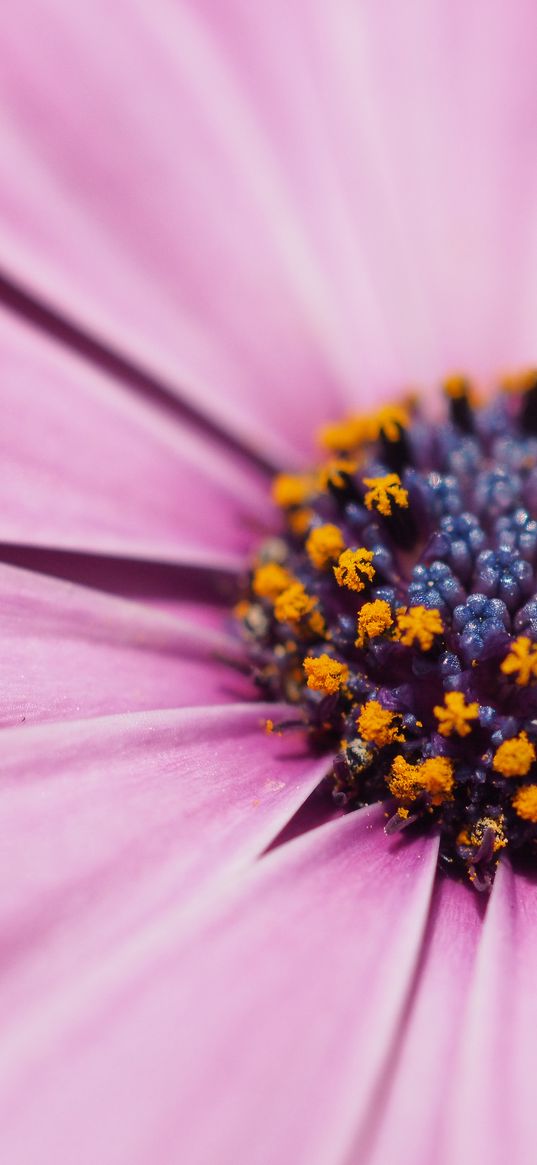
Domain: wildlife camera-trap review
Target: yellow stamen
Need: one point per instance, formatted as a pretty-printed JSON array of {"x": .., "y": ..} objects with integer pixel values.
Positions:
[
  {"x": 335, "y": 474},
  {"x": 390, "y": 419},
  {"x": 346, "y": 435},
  {"x": 294, "y": 604},
  {"x": 291, "y": 489},
  {"x": 385, "y": 491},
  {"x": 525, "y": 803},
  {"x": 455, "y": 386},
  {"x": 433, "y": 776},
  {"x": 299, "y": 520},
  {"x": 359, "y": 429},
  {"x": 454, "y": 715},
  {"x": 475, "y": 838},
  {"x": 271, "y": 580},
  {"x": 377, "y": 724},
  {"x": 354, "y": 568},
  {"x": 373, "y": 619},
  {"x": 521, "y": 661},
  {"x": 514, "y": 757},
  {"x": 419, "y": 625},
  {"x": 325, "y": 674},
  {"x": 317, "y": 624},
  {"x": 324, "y": 545},
  {"x": 519, "y": 382}
]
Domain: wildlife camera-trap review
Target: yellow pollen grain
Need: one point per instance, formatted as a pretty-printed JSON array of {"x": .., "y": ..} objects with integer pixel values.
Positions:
[
  {"x": 433, "y": 776},
  {"x": 291, "y": 489},
  {"x": 270, "y": 580},
  {"x": 419, "y": 625},
  {"x": 373, "y": 619},
  {"x": 497, "y": 827},
  {"x": 294, "y": 604},
  {"x": 525, "y": 803},
  {"x": 324, "y": 545},
  {"x": 354, "y": 569},
  {"x": 514, "y": 757},
  {"x": 521, "y": 661},
  {"x": 377, "y": 724},
  {"x": 383, "y": 492},
  {"x": 325, "y": 674},
  {"x": 455, "y": 715}
]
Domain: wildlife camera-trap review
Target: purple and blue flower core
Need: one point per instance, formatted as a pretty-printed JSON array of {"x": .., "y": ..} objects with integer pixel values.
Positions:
[{"x": 397, "y": 609}]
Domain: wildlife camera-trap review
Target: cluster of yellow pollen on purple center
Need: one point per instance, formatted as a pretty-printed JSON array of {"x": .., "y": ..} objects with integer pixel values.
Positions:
[
  {"x": 433, "y": 776},
  {"x": 378, "y": 725},
  {"x": 355, "y": 569},
  {"x": 514, "y": 757},
  {"x": 387, "y": 609},
  {"x": 373, "y": 619},
  {"x": 325, "y": 674}
]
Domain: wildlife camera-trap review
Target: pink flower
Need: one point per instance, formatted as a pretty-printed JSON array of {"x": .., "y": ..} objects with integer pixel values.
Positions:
[{"x": 221, "y": 224}]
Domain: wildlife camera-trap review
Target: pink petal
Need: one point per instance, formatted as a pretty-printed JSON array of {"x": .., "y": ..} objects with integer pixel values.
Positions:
[
  {"x": 452, "y": 92},
  {"x": 69, "y": 652},
  {"x": 150, "y": 209},
  {"x": 203, "y": 596},
  {"x": 410, "y": 1120},
  {"x": 491, "y": 1116},
  {"x": 107, "y": 823},
  {"x": 85, "y": 465},
  {"x": 258, "y": 1035},
  {"x": 293, "y": 198}
]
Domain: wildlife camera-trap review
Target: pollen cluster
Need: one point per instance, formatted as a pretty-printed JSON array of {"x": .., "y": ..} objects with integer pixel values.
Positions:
[{"x": 396, "y": 608}]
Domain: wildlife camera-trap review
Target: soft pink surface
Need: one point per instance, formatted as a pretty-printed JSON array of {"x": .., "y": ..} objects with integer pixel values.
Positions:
[
  {"x": 408, "y": 1125},
  {"x": 255, "y": 201},
  {"x": 149, "y": 207},
  {"x": 110, "y": 823},
  {"x": 69, "y": 652},
  {"x": 274, "y": 209},
  {"x": 85, "y": 465},
  {"x": 490, "y": 1103},
  {"x": 256, "y": 1034}
]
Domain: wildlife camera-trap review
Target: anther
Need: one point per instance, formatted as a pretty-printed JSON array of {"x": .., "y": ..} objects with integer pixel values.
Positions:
[
  {"x": 325, "y": 674},
  {"x": 324, "y": 545},
  {"x": 455, "y": 716},
  {"x": 419, "y": 625},
  {"x": 514, "y": 757},
  {"x": 355, "y": 569}
]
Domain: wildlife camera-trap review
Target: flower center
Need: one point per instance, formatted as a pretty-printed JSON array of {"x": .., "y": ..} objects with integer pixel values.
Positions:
[{"x": 397, "y": 609}]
